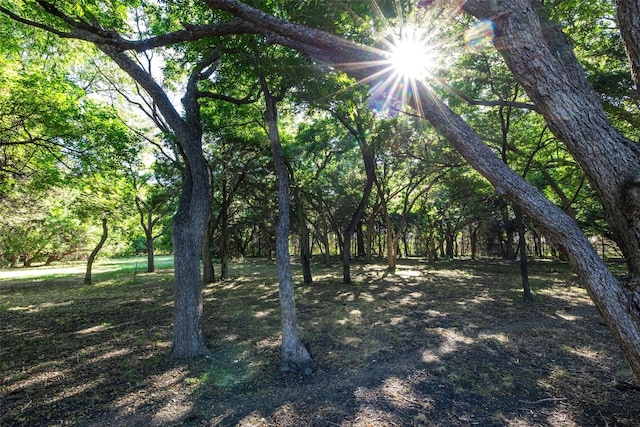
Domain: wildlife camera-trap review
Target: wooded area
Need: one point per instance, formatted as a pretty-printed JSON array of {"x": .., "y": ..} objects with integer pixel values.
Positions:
[{"x": 324, "y": 129}]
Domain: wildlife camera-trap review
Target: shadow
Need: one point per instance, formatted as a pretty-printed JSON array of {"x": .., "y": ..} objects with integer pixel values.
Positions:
[
  {"x": 449, "y": 344},
  {"x": 443, "y": 345}
]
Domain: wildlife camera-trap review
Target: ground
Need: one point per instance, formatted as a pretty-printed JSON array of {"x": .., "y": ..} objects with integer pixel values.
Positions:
[{"x": 450, "y": 344}]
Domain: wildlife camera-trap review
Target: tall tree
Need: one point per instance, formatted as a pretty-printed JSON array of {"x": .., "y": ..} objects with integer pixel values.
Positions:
[{"x": 295, "y": 356}]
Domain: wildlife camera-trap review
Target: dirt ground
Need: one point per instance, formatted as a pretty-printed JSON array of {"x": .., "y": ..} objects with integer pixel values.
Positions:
[{"x": 450, "y": 344}]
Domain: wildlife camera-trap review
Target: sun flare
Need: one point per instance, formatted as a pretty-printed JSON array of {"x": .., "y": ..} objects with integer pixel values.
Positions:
[
  {"x": 411, "y": 57},
  {"x": 414, "y": 50}
]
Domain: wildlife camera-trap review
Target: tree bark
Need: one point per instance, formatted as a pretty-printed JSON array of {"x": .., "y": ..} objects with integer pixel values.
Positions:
[
  {"x": 628, "y": 15},
  {"x": 208, "y": 270},
  {"x": 224, "y": 217},
  {"x": 190, "y": 220},
  {"x": 295, "y": 357},
  {"x": 543, "y": 62},
  {"x": 94, "y": 252}
]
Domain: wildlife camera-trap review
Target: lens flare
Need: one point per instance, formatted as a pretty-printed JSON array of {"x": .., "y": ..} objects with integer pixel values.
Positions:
[{"x": 480, "y": 35}]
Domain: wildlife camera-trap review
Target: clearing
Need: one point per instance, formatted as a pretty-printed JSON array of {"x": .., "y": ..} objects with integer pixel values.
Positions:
[{"x": 450, "y": 344}]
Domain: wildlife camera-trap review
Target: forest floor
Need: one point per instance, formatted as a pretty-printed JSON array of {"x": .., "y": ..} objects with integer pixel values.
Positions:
[{"x": 450, "y": 344}]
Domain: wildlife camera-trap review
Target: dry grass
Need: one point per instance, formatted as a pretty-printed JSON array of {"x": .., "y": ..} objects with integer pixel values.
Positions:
[{"x": 431, "y": 345}]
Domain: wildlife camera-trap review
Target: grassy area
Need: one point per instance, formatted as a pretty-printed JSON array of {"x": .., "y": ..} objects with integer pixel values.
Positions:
[{"x": 432, "y": 345}]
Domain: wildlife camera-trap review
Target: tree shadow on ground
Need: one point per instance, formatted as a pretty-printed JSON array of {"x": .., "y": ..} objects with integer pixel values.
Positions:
[
  {"x": 432, "y": 345},
  {"x": 451, "y": 345}
]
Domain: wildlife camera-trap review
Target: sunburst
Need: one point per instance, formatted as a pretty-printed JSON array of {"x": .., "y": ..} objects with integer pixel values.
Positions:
[{"x": 415, "y": 52}]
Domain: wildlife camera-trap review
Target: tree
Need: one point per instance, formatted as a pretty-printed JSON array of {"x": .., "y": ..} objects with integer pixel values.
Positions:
[
  {"x": 100, "y": 27},
  {"x": 153, "y": 203},
  {"x": 537, "y": 54},
  {"x": 542, "y": 61},
  {"x": 295, "y": 356}
]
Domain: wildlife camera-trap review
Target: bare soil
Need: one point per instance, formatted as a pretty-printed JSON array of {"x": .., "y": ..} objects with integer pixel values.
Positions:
[{"x": 450, "y": 344}]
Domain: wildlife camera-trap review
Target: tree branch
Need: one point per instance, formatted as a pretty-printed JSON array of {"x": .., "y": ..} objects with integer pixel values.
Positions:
[{"x": 479, "y": 102}]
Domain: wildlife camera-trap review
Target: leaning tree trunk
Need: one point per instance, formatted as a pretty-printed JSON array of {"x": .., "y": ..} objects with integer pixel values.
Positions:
[
  {"x": 295, "y": 356},
  {"x": 94, "y": 252},
  {"x": 542, "y": 60},
  {"x": 544, "y": 65}
]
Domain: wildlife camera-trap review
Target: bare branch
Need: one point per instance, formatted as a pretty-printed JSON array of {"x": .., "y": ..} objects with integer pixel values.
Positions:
[
  {"x": 249, "y": 99},
  {"x": 479, "y": 102}
]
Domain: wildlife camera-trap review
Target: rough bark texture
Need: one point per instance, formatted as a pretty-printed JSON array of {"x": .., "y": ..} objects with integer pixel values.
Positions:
[
  {"x": 628, "y": 15},
  {"x": 190, "y": 226},
  {"x": 295, "y": 357},
  {"x": 190, "y": 221},
  {"x": 94, "y": 252},
  {"x": 544, "y": 64}
]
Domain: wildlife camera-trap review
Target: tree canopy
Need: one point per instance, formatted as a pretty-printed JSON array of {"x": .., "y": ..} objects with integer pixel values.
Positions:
[{"x": 537, "y": 99}]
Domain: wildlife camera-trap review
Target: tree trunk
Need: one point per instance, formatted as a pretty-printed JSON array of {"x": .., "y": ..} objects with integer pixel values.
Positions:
[
  {"x": 542, "y": 60},
  {"x": 295, "y": 357},
  {"x": 360, "y": 247},
  {"x": 305, "y": 243},
  {"x": 28, "y": 260},
  {"x": 392, "y": 257},
  {"x": 149, "y": 241},
  {"x": 190, "y": 220},
  {"x": 324, "y": 237},
  {"x": 405, "y": 242},
  {"x": 473, "y": 238},
  {"x": 51, "y": 258},
  {"x": 94, "y": 252},
  {"x": 368, "y": 159},
  {"x": 189, "y": 230},
  {"x": 208, "y": 270},
  {"x": 305, "y": 248},
  {"x": 524, "y": 263},
  {"x": 224, "y": 217},
  {"x": 448, "y": 244}
]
